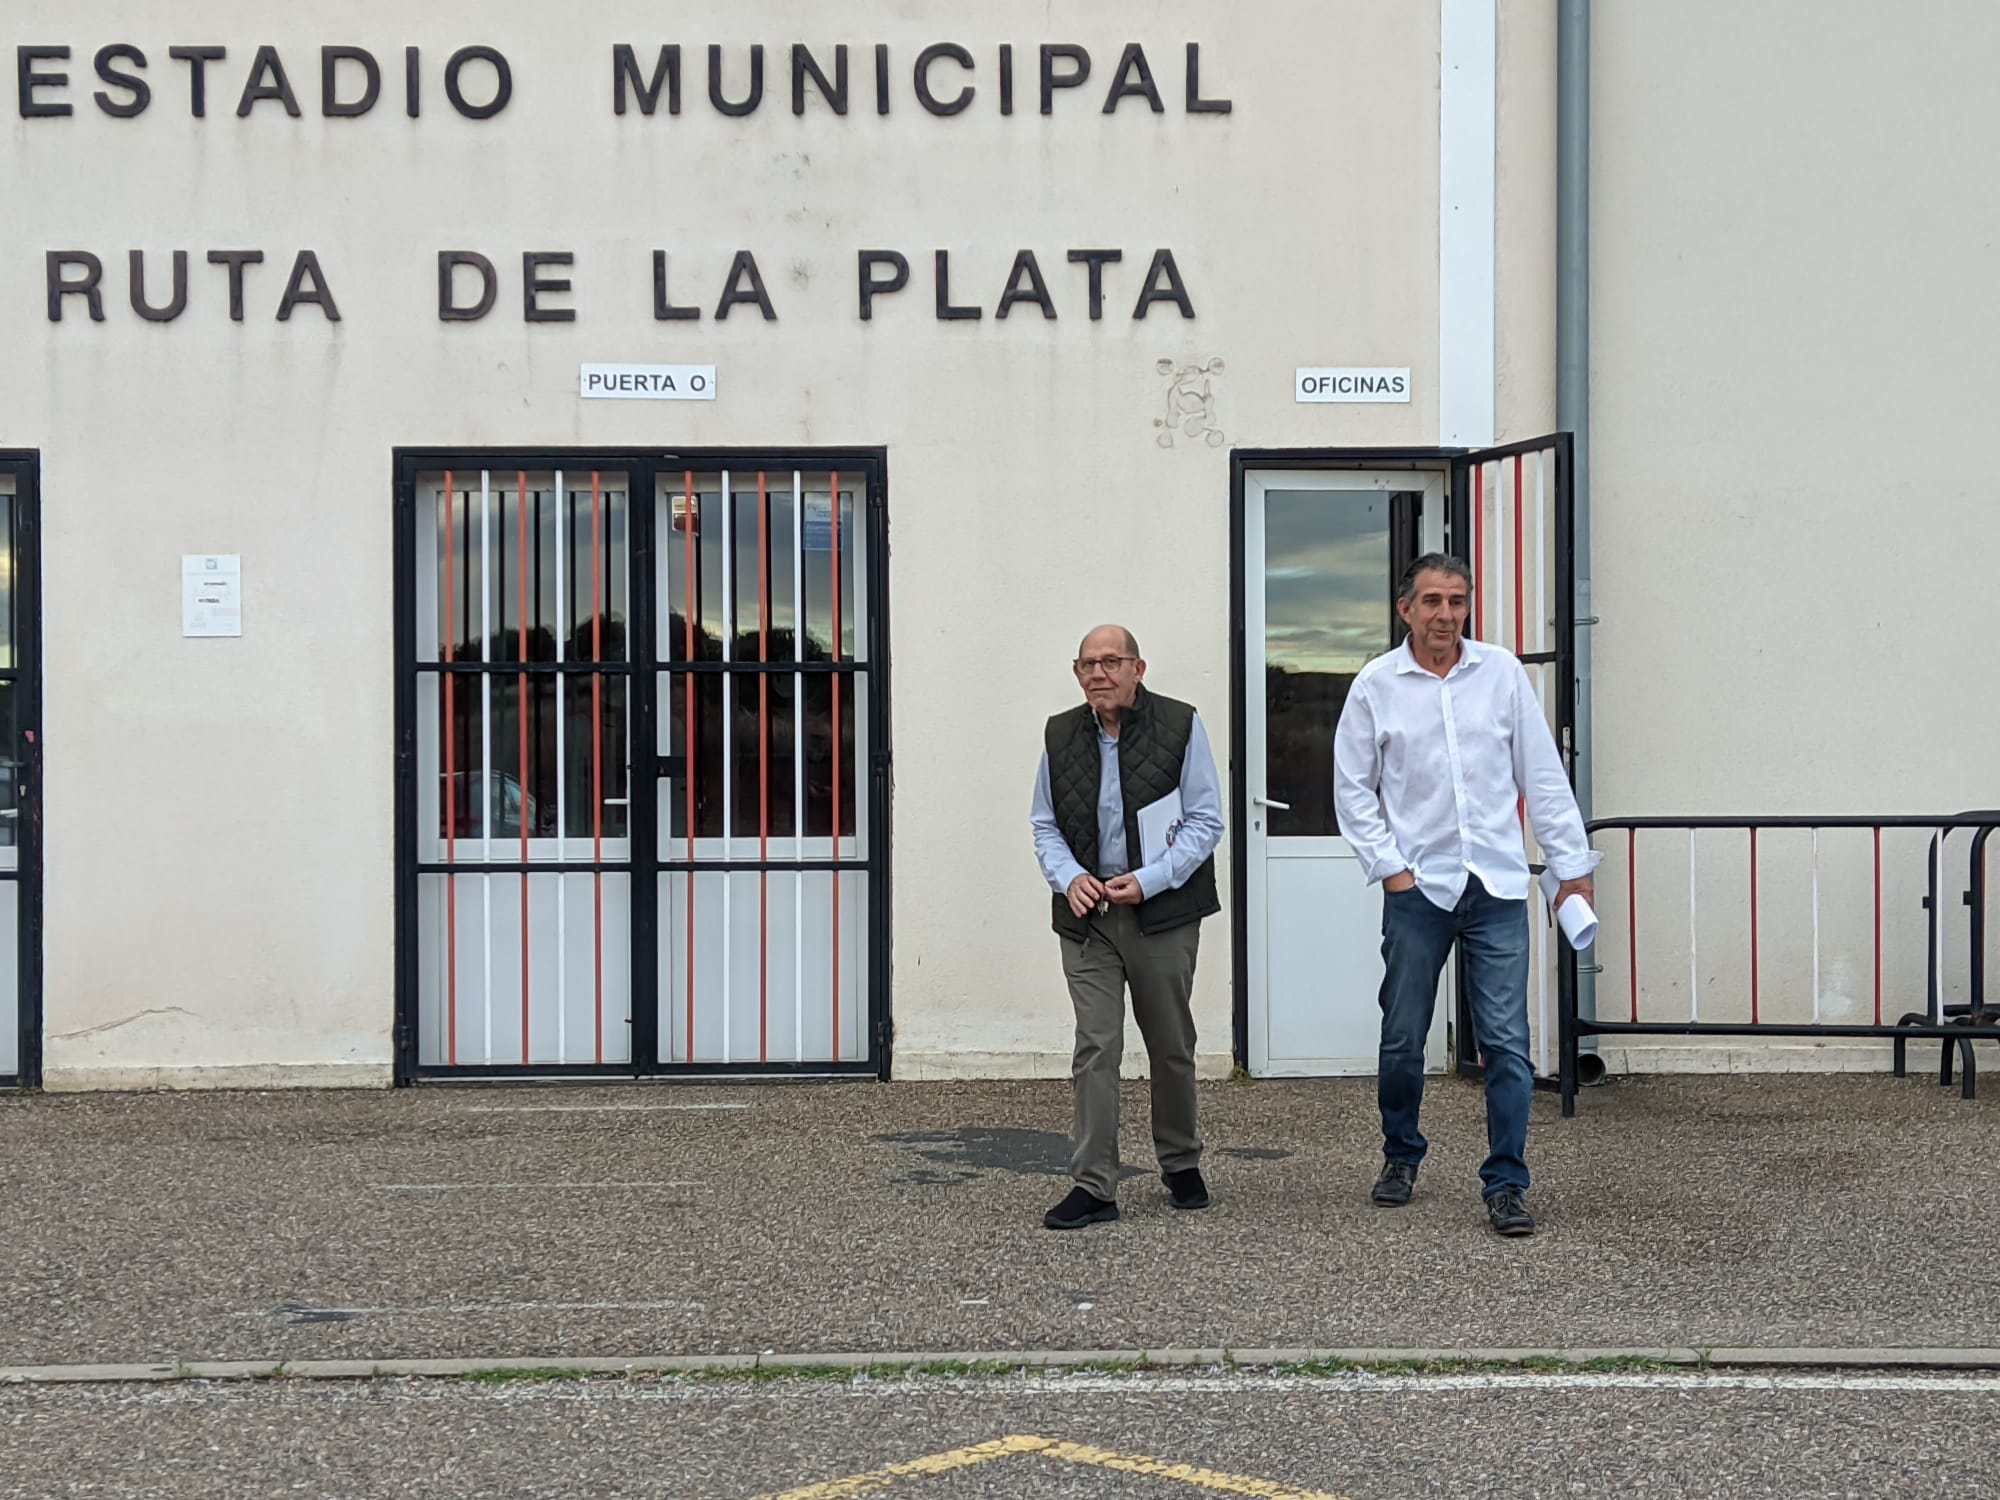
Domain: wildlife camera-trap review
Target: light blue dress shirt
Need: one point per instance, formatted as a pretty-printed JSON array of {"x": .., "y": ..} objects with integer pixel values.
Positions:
[{"x": 1201, "y": 821}]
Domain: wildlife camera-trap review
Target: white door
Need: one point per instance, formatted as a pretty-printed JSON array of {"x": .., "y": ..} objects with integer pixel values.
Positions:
[{"x": 1322, "y": 551}]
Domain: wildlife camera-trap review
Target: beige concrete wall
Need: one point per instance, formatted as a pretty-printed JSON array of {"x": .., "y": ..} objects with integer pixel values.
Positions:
[
  {"x": 220, "y": 856},
  {"x": 1524, "y": 222},
  {"x": 1792, "y": 376}
]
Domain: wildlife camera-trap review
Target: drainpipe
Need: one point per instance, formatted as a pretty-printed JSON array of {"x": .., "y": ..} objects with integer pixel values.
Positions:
[{"x": 1573, "y": 392}]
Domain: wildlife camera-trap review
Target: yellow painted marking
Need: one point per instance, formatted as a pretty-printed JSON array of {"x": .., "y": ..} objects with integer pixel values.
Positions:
[
  {"x": 876, "y": 1480},
  {"x": 935, "y": 1463},
  {"x": 1207, "y": 1479}
]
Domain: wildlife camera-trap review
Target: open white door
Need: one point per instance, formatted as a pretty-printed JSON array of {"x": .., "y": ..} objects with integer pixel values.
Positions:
[{"x": 1322, "y": 550}]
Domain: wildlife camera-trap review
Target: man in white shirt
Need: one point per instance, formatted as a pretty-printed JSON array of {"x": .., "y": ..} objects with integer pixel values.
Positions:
[
  {"x": 1440, "y": 745},
  {"x": 1127, "y": 813}
]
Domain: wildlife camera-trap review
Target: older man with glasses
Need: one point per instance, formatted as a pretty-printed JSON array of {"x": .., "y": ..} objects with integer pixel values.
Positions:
[{"x": 1127, "y": 814}]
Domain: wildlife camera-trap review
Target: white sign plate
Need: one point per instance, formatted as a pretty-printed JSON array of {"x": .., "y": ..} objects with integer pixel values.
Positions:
[
  {"x": 647, "y": 382},
  {"x": 211, "y": 595},
  {"x": 1351, "y": 384}
]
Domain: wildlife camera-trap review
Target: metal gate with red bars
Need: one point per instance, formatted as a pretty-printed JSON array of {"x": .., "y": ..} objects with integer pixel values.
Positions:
[
  {"x": 1514, "y": 520},
  {"x": 643, "y": 761},
  {"x": 20, "y": 770},
  {"x": 1809, "y": 928}
]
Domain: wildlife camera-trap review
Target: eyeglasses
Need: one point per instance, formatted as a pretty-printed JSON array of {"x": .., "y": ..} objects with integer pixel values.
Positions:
[{"x": 1085, "y": 665}]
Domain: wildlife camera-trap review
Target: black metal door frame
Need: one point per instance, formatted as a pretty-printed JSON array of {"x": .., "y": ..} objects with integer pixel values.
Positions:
[
  {"x": 643, "y": 468},
  {"x": 1405, "y": 531},
  {"x": 24, "y": 678}
]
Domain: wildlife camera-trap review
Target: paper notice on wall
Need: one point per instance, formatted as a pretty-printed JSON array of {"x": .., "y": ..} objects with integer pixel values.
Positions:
[
  {"x": 816, "y": 529},
  {"x": 211, "y": 594}
]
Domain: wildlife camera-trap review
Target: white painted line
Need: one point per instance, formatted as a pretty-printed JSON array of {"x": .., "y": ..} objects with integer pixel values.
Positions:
[
  {"x": 523, "y": 1187},
  {"x": 886, "y": 1375},
  {"x": 470, "y": 1309},
  {"x": 892, "y": 1386},
  {"x": 592, "y": 1109}
]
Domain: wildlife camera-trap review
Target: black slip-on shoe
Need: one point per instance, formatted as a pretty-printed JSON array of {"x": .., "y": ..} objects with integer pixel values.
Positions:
[
  {"x": 1394, "y": 1187},
  {"x": 1081, "y": 1207},
  {"x": 1508, "y": 1213},
  {"x": 1186, "y": 1188}
]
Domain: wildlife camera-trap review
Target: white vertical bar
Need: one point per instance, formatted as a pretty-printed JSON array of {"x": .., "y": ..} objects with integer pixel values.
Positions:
[
  {"x": 1467, "y": 53},
  {"x": 672, "y": 998},
  {"x": 854, "y": 909},
  {"x": 1541, "y": 551},
  {"x": 860, "y": 604},
  {"x": 1694, "y": 948},
  {"x": 1815, "y": 863},
  {"x": 799, "y": 764},
  {"x": 430, "y": 648},
  {"x": 562, "y": 788},
  {"x": 728, "y": 633},
  {"x": 486, "y": 741},
  {"x": 1937, "y": 927},
  {"x": 1548, "y": 941},
  {"x": 1540, "y": 679}
]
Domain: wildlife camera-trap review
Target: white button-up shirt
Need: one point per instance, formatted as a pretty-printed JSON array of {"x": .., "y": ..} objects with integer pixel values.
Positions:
[{"x": 1429, "y": 774}]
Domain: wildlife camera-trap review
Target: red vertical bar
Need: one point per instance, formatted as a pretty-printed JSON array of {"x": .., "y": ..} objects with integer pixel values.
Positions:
[
  {"x": 689, "y": 595},
  {"x": 449, "y": 637},
  {"x": 834, "y": 506},
  {"x": 1753, "y": 927},
  {"x": 1520, "y": 632},
  {"x": 596, "y": 755},
  {"x": 1632, "y": 912},
  {"x": 1878, "y": 927},
  {"x": 763, "y": 769},
  {"x": 521, "y": 713},
  {"x": 1479, "y": 552}
]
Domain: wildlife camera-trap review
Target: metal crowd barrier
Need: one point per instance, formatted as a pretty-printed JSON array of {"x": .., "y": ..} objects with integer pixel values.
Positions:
[{"x": 1954, "y": 1025}]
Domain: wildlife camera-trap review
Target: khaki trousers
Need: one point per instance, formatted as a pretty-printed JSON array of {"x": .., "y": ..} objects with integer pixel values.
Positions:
[{"x": 1160, "y": 972}]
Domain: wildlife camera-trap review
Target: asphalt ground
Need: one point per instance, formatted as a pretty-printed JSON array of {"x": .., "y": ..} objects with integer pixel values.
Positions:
[
  {"x": 1155, "y": 1438},
  {"x": 625, "y": 1221}
]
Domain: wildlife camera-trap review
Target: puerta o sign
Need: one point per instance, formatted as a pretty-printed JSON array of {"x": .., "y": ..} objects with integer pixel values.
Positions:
[
  {"x": 1351, "y": 384},
  {"x": 648, "y": 382}
]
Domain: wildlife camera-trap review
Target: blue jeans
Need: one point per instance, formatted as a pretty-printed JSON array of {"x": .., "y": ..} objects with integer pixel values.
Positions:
[{"x": 1416, "y": 939}]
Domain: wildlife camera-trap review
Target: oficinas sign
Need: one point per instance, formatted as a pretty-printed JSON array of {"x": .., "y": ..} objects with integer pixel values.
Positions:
[{"x": 477, "y": 82}]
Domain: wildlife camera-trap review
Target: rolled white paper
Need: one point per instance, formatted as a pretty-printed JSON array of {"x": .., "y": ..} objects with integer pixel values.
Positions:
[{"x": 1578, "y": 922}]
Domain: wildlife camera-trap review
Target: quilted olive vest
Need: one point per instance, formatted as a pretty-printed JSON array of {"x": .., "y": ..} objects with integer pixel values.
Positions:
[{"x": 1152, "y": 742}]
